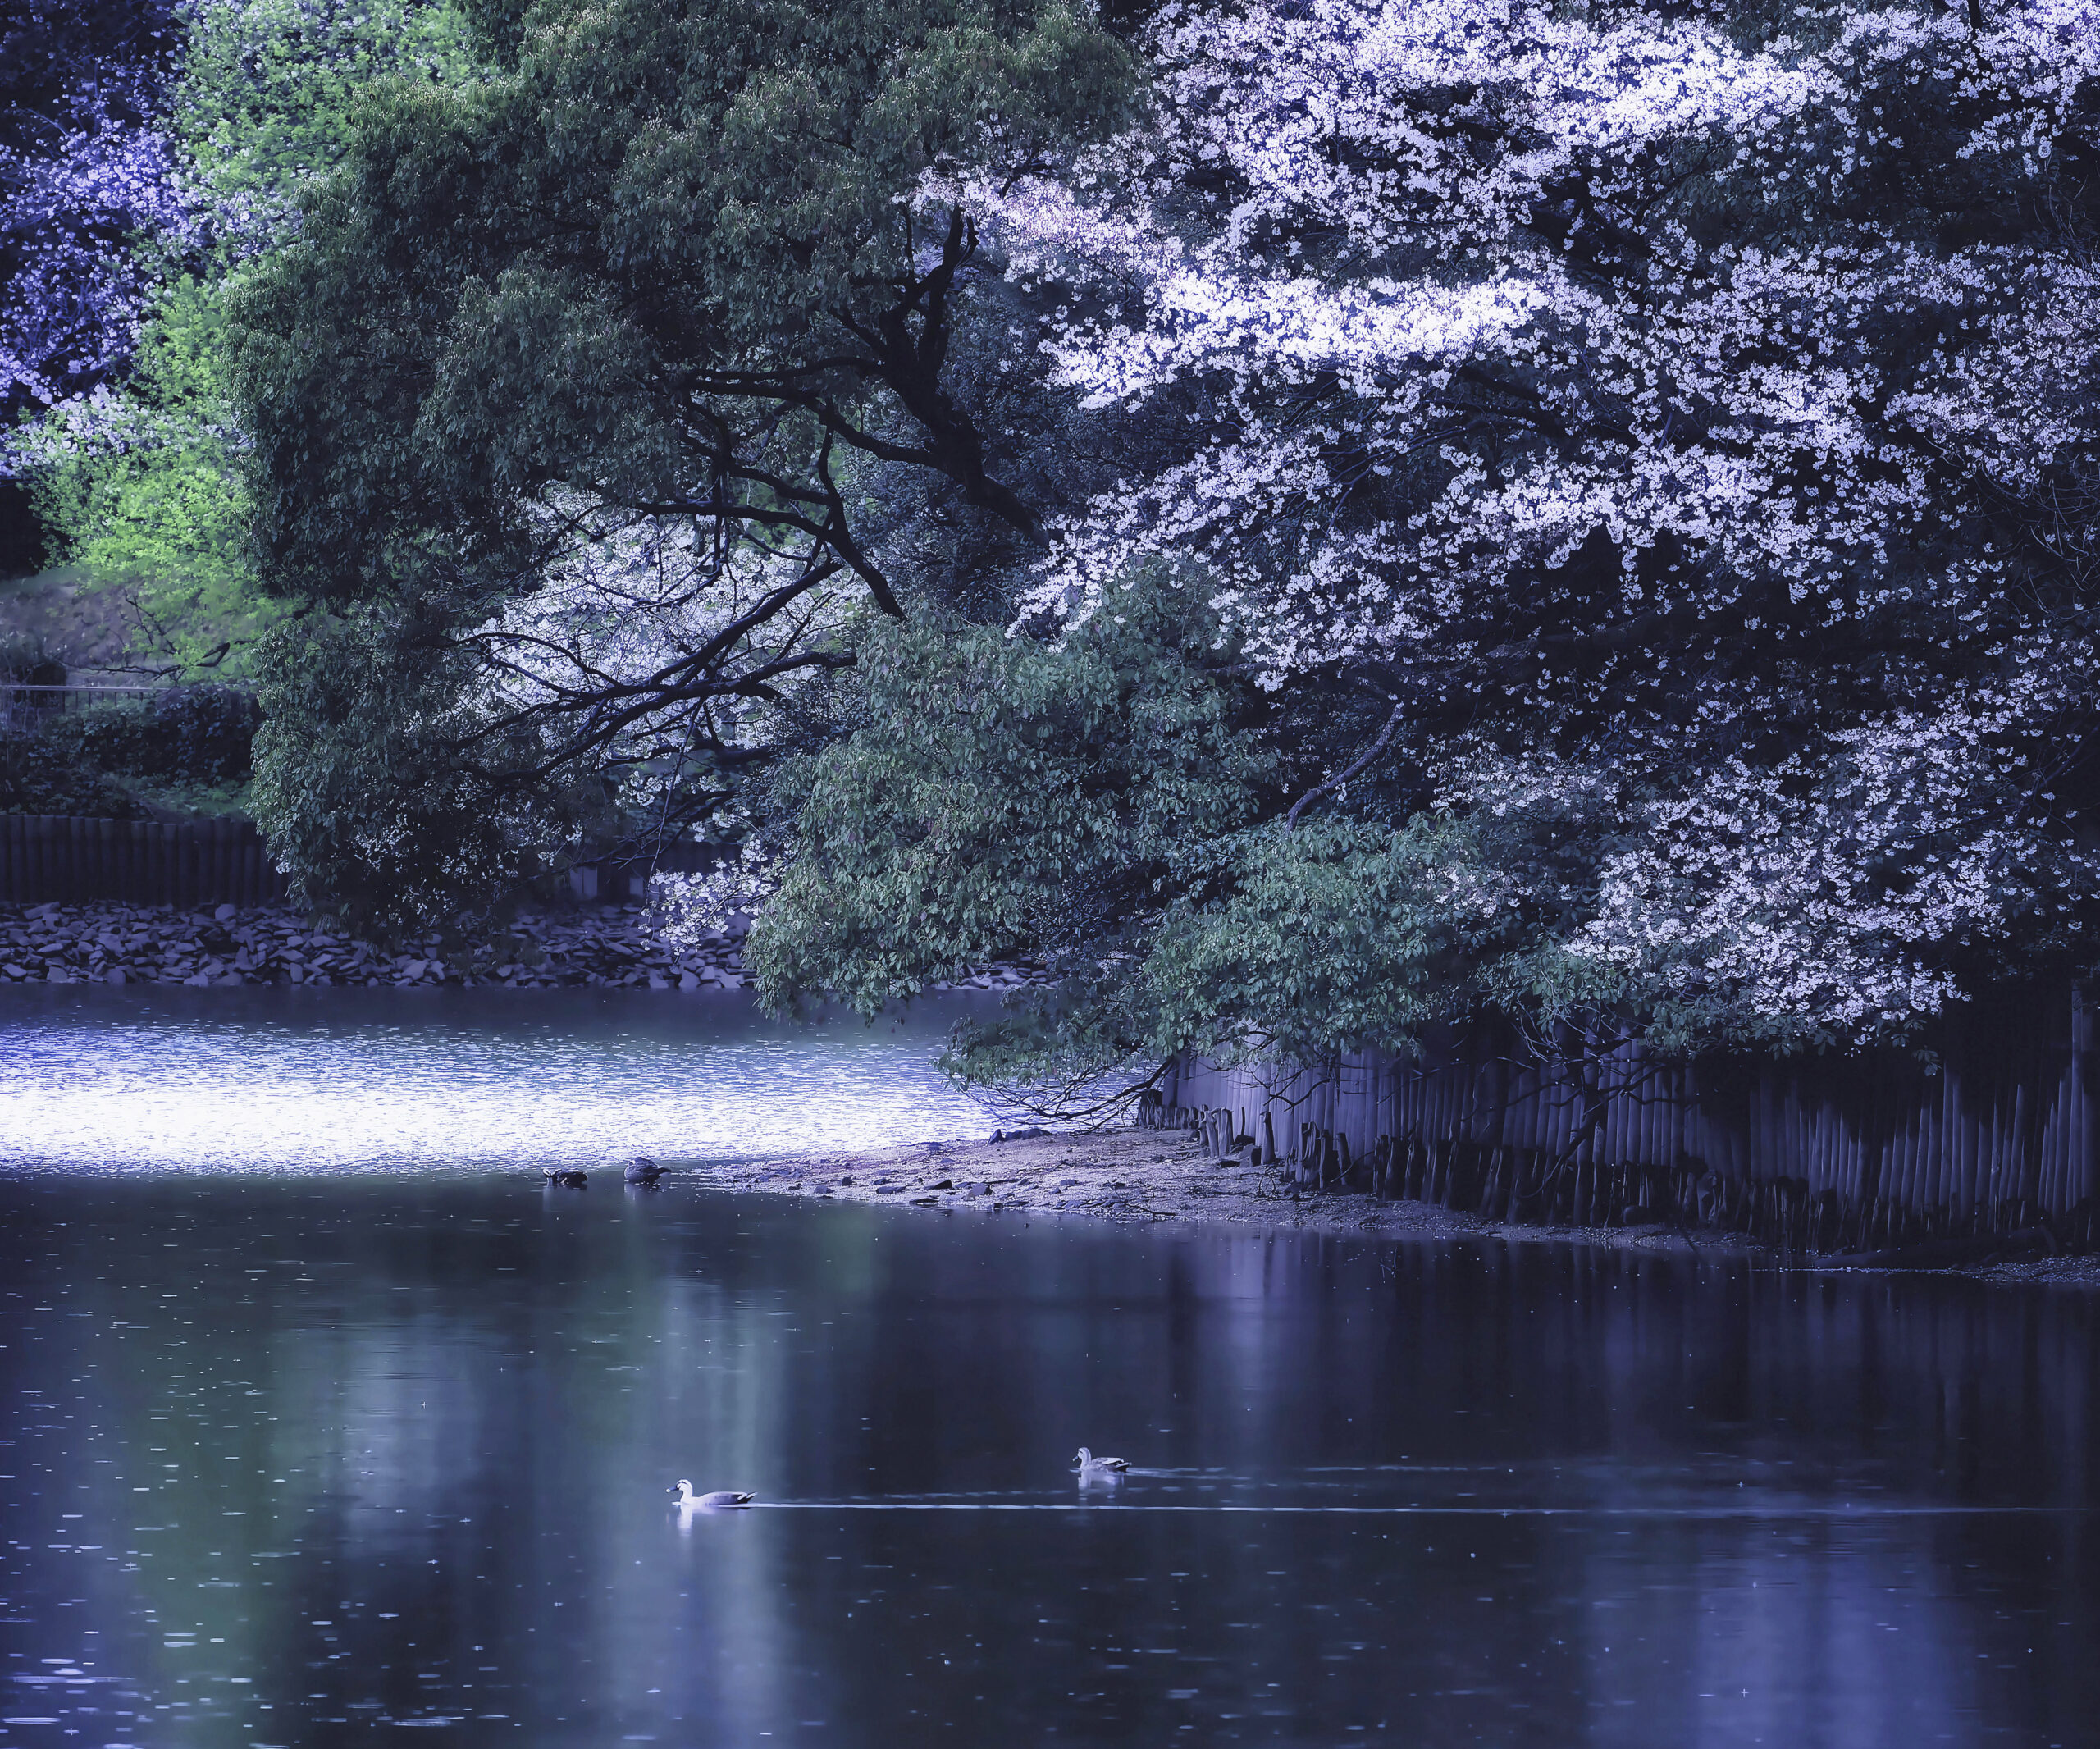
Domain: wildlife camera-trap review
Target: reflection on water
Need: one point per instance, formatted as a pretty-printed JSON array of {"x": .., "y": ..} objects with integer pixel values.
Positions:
[
  {"x": 328, "y": 1079},
  {"x": 289, "y": 1459}
]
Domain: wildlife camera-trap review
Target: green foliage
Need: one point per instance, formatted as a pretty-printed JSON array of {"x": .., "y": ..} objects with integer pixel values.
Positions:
[
  {"x": 497, "y": 28},
  {"x": 997, "y": 797},
  {"x": 362, "y": 789},
  {"x": 150, "y": 499},
  {"x": 41, "y": 774},
  {"x": 1337, "y": 936},
  {"x": 669, "y": 259},
  {"x": 201, "y": 735},
  {"x": 1278, "y": 944},
  {"x": 270, "y": 88},
  {"x": 146, "y": 492}
]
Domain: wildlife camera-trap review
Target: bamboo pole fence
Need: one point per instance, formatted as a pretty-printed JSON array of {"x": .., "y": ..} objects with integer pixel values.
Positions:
[
  {"x": 72, "y": 859},
  {"x": 1992, "y": 1133},
  {"x": 75, "y": 860}
]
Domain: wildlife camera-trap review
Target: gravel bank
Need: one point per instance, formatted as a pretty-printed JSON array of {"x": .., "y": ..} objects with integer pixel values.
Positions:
[
  {"x": 1142, "y": 1175},
  {"x": 600, "y": 948},
  {"x": 145, "y": 944}
]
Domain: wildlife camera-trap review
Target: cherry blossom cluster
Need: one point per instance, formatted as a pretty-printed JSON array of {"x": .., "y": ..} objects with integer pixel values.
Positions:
[
  {"x": 1818, "y": 898},
  {"x": 1705, "y": 404},
  {"x": 85, "y": 198},
  {"x": 1388, "y": 270}
]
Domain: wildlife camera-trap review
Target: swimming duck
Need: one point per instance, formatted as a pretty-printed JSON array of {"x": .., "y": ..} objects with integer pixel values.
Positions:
[
  {"x": 642, "y": 1169},
  {"x": 573, "y": 1180},
  {"x": 1090, "y": 1464},
  {"x": 721, "y": 1497}
]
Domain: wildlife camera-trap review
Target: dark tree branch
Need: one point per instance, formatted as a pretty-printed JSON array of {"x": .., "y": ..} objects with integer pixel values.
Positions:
[{"x": 1342, "y": 776}]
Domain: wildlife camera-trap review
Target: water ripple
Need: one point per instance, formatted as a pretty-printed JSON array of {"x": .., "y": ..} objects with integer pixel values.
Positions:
[{"x": 380, "y": 1080}]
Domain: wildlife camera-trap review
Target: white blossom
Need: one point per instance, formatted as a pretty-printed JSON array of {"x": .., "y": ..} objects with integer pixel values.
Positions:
[{"x": 1450, "y": 296}]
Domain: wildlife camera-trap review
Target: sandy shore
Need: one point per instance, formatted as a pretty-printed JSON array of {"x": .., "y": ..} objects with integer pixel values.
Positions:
[
  {"x": 1148, "y": 1176},
  {"x": 1141, "y": 1176}
]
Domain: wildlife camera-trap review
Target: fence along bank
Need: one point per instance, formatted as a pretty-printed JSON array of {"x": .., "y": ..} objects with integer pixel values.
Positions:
[
  {"x": 1994, "y": 1134},
  {"x": 75, "y": 860}
]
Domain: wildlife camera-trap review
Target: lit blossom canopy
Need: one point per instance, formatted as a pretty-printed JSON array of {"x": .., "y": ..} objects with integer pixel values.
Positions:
[
  {"x": 88, "y": 175},
  {"x": 1680, "y": 409}
]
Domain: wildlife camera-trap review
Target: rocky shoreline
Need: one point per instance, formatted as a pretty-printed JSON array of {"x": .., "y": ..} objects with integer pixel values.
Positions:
[
  {"x": 1147, "y": 1175},
  {"x": 608, "y": 947},
  {"x": 1140, "y": 1176}
]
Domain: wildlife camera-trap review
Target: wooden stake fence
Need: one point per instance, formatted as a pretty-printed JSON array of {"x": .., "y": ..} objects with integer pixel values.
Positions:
[
  {"x": 73, "y": 859},
  {"x": 1883, "y": 1149}
]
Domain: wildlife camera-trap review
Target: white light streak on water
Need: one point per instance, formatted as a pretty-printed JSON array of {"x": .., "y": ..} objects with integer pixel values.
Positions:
[{"x": 351, "y": 1079}]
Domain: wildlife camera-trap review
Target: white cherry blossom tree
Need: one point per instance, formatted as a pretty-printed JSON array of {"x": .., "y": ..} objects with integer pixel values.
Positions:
[{"x": 1694, "y": 405}]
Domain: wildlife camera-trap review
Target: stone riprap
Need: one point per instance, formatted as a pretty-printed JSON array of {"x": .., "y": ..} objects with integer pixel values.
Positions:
[{"x": 600, "y": 949}]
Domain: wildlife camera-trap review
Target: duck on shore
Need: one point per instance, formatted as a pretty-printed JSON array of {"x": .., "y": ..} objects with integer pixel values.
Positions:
[{"x": 642, "y": 1169}]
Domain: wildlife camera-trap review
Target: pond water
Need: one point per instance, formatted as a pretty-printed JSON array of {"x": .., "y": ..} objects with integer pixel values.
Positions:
[
  {"x": 93, "y": 1079},
  {"x": 289, "y": 1458}
]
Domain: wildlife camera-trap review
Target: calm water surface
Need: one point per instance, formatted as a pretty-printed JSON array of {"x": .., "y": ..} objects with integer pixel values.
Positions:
[
  {"x": 296, "y": 1459},
  {"x": 354, "y": 1079}
]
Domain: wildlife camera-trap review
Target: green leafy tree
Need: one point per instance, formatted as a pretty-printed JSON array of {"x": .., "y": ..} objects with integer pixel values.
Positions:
[
  {"x": 269, "y": 90},
  {"x": 146, "y": 493},
  {"x": 143, "y": 486},
  {"x": 999, "y": 798},
  {"x": 1117, "y": 806},
  {"x": 592, "y": 391}
]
